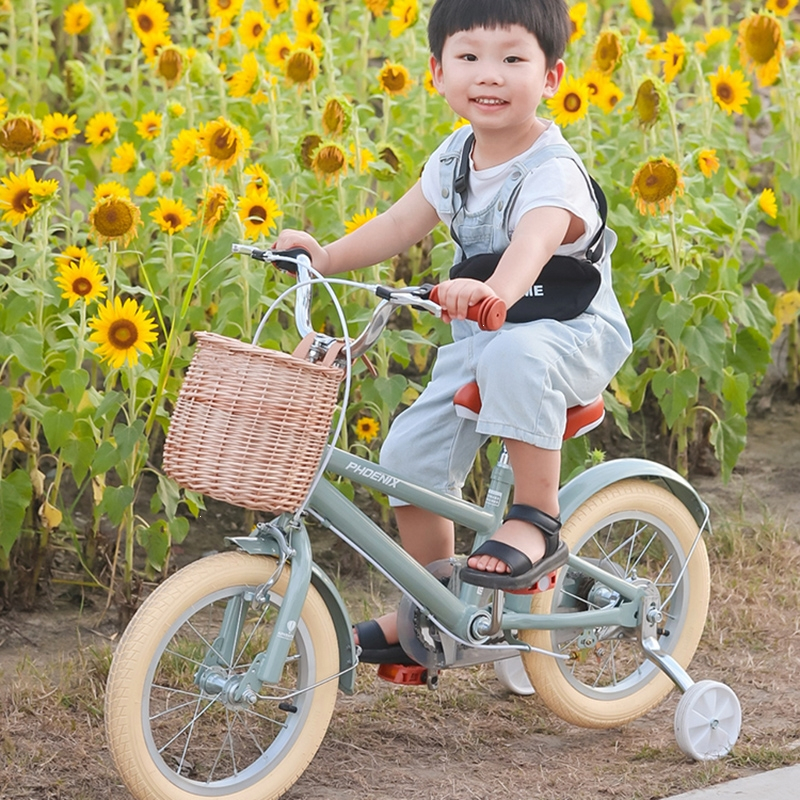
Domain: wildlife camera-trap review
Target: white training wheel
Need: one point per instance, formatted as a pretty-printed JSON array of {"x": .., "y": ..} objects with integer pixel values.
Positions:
[
  {"x": 511, "y": 673},
  {"x": 708, "y": 720}
]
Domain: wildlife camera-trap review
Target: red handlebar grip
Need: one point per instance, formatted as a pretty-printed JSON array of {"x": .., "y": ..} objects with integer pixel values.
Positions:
[{"x": 489, "y": 313}]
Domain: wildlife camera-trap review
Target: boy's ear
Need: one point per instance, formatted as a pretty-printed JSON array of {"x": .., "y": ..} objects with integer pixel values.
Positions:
[
  {"x": 552, "y": 78},
  {"x": 436, "y": 72}
]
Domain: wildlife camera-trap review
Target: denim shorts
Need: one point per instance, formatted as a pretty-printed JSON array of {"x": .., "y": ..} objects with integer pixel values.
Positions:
[{"x": 528, "y": 375}]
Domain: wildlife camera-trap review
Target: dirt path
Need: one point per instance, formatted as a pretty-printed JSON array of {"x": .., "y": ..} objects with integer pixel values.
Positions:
[{"x": 471, "y": 739}]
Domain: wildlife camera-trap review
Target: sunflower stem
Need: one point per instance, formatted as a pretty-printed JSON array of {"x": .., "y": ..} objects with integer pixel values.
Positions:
[
  {"x": 34, "y": 72},
  {"x": 112, "y": 269}
]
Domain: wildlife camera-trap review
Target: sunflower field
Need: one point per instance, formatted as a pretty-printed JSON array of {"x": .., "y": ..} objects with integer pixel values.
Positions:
[{"x": 141, "y": 139}]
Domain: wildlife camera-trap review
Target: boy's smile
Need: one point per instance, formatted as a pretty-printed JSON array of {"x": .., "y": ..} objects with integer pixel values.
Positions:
[{"x": 496, "y": 78}]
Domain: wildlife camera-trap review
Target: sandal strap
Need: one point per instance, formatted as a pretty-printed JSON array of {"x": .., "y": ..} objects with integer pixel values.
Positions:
[{"x": 548, "y": 525}]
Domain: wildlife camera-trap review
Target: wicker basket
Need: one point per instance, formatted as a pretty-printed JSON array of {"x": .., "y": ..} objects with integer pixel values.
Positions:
[{"x": 250, "y": 424}]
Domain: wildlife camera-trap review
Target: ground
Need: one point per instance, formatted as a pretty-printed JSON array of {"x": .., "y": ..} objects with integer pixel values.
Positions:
[{"x": 471, "y": 739}]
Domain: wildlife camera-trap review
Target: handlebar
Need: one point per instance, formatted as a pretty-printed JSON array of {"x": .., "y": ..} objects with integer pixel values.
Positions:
[{"x": 490, "y": 314}]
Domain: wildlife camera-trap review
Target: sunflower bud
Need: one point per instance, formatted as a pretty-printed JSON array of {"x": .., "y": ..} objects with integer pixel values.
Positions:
[
  {"x": 202, "y": 70},
  {"x": 305, "y": 149},
  {"x": 20, "y": 134},
  {"x": 389, "y": 162},
  {"x": 74, "y": 79}
]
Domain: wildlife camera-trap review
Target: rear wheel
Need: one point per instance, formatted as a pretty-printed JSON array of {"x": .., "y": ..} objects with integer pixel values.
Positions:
[
  {"x": 635, "y": 530},
  {"x": 174, "y": 738}
]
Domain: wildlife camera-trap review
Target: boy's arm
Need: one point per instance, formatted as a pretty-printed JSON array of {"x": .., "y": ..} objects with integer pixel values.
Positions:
[
  {"x": 399, "y": 227},
  {"x": 540, "y": 232}
]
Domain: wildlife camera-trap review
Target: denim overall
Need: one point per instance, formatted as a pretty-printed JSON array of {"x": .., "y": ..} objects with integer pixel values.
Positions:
[{"x": 528, "y": 373}]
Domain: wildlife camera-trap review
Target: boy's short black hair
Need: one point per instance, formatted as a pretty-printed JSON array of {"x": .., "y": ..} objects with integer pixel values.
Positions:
[{"x": 547, "y": 20}]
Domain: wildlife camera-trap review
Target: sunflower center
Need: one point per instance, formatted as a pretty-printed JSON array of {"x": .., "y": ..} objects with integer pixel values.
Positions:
[
  {"x": 145, "y": 23},
  {"x": 572, "y": 102},
  {"x": 660, "y": 182},
  {"x": 122, "y": 334},
  {"x": 23, "y": 201},
  {"x": 223, "y": 145},
  {"x": 224, "y": 4},
  {"x": 725, "y": 92},
  {"x": 173, "y": 220},
  {"x": 394, "y": 80},
  {"x": 258, "y": 215},
  {"x": 60, "y": 131},
  {"x": 113, "y": 219},
  {"x": 760, "y": 40},
  {"x": 257, "y": 29},
  {"x": 81, "y": 286}
]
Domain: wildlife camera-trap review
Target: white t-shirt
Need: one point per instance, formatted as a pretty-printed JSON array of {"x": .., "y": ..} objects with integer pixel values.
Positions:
[{"x": 558, "y": 182}]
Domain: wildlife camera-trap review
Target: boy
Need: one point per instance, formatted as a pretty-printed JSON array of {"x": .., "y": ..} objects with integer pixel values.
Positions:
[{"x": 524, "y": 195}]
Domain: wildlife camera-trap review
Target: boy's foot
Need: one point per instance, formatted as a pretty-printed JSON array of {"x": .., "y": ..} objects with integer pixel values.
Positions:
[
  {"x": 375, "y": 645},
  {"x": 500, "y": 564}
]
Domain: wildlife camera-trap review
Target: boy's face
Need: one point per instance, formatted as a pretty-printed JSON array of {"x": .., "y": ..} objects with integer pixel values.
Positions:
[{"x": 495, "y": 77}]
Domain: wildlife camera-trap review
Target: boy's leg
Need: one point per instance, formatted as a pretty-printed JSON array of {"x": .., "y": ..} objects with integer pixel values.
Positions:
[
  {"x": 536, "y": 480},
  {"x": 425, "y": 536}
]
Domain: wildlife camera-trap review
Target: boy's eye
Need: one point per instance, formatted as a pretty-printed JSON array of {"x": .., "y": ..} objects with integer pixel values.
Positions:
[
  {"x": 469, "y": 57},
  {"x": 512, "y": 59}
]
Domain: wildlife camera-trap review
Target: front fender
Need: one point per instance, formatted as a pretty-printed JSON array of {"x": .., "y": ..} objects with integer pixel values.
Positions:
[
  {"x": 588, "y": 483},
  {"x": 333, "y": 601}
]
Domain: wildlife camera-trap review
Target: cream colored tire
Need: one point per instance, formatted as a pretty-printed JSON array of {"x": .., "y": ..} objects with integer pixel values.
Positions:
[
  {"x": 171, "y": 740},
  {"x": 649, "y": 533}
]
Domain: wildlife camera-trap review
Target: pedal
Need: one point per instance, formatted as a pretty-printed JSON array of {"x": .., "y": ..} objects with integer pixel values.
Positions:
[
  {"x": 545, "y": 583},
  {"x": 403, "y": 675}
]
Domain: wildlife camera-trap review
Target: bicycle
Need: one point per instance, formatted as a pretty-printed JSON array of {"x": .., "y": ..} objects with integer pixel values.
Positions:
[{"x": 225, "y": 681}]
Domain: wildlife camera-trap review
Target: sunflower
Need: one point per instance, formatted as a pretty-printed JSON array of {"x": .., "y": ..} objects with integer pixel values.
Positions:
[
  {"x": 357, "y": 220},
  {"x": 647, "y": 103},
  {"x": 110, "y": 189},
  {"x": 176, "y": 110},
  {"x": 278, "y": 49},
  {"x": 59, "y": 127},
  {"x": 729, "y": 89},
  {"x": 310, "y": 41},
  {"x": 609, "y": 97},
  {"x": 149, "y": 126},
  {"x": 258, "y": 212},
  {"x": 3, "y": 107},
  {"x": 171, "y": 65},
  {"x": 258, "y": 177},
  {"x": 241, "y": 82},
  {"x": 224, "y": 10},
  {"x": 595, "y": 80},
  {"x": 388, "y": 163},
  {"x": 101, "y": 127},
  {"x": 330, "y": 160},
  {"x": 577, "y": 18},
  {"x": 761, "y": 46},
  {"x": 81, "y": 281},
  {"x": 336, "y": 115},
  {"x": 172, "y": 216},
  {"x": 656, "y": 184},
  {"x": 275, "y": 7},
  {"x": 223, "y": 143},
  {"x": 367, "y": 429},
  {"x": 123, "y": 330},
  {"x": 404, "y": 15},
  {"x": 394, "y": 78},
  {"x": 768, "y": 203},
  {"x": 305, "y": 149},
  {"x": 673, "y": 53},
  {"x": 642, "y": 10},
  {"x": 781, "y": 8},
  {"x": 307, "y": 16},
  {"x": 713, "y": 37},
  {"x": 165, "y": 177},
  {"x": 301, "y": 66},
  {"x": 124, "y": 158},
  {"x": 20, "y": 134},
  {"x": 146, "y": 185},
  {"x": 253, "y": 28},
  {"x": 114, "y": 219},
  {"x": 214, "y": 207},
  {"x": 153, "y": 44},
  {"x": 17, "y": 199},
  {"x": 708, "y": 162},
  {"x": 184, "y": 148},
  {"x": 70, "y": 256},
  {"x": 77, "y": 18},
  {"x": 607, "y": 51},
  {"x": 376, "y": 7},
  {"x": 571, "y": 102},
  {"x": 149, "y": 17},
  {"x": 427, "y": 82}
]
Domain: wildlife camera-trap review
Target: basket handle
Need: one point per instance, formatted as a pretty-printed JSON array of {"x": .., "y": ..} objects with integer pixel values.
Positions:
[{"x": 302, "y": 350}]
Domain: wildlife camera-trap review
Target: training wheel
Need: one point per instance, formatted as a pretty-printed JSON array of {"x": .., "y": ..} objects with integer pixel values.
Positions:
[
  {"x": 511, "y": 673},
  {"x": 708, "y": 720}
]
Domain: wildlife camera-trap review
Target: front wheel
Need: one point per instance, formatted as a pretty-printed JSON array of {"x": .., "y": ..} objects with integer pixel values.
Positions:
[
  {"x": 634, "y": 529},
  {"x": 175, "y": 739}
]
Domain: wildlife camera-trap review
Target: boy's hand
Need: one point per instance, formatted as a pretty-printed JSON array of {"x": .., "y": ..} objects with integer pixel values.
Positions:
[
  {"x": 457, "y": 296},
  {"x": 288, "y": 239}
]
